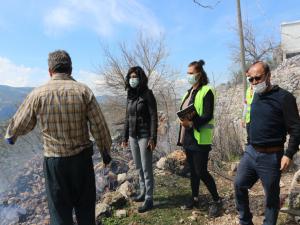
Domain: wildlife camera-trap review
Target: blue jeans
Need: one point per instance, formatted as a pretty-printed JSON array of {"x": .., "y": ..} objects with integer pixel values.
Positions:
[
  {"x": 253, "y": 166},
  {"x": 142, "y": 158}
]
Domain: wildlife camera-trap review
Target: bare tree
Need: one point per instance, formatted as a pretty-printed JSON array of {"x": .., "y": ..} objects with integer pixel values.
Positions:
[
  {"x": 151, "y": 54},
  {"x": 167, "y": 98},
  {"x": 257, "y": 47},
  {"x": 147, "y": 52}
]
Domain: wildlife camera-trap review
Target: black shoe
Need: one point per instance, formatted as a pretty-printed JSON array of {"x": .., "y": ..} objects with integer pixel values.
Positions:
[
  {"x": 215, "y": 209},
  {"x": 191, "y": 204},
  {"x": 148, "y": 204},
  {"x": 203, "y": 205},
  {"x": 138, "y": 198}
]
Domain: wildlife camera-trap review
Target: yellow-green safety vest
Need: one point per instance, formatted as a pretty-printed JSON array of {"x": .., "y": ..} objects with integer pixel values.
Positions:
[
  {"x": 205, "y": 134},
  {"x": 249, "y": 98}
]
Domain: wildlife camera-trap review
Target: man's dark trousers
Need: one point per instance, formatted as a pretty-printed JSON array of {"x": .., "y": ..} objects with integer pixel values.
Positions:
[
  {"x": 70, "y": 184},
  {"x": 253, "y": 166}
]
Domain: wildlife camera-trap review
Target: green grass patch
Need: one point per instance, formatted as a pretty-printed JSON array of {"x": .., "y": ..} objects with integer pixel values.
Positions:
[{"x": 171, "y": 192}]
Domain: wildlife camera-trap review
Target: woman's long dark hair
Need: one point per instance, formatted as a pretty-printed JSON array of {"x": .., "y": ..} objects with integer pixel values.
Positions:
[
  {"x": 198, "y": 65},
  {"x": 143, "y": 82}
]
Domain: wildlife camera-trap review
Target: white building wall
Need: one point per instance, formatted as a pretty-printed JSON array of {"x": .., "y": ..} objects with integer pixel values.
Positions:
[{"x": 290, "y": 38}]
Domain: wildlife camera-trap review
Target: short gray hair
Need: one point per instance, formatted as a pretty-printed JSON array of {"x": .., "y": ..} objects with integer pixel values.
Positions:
[{"x": 60, "y": 61}]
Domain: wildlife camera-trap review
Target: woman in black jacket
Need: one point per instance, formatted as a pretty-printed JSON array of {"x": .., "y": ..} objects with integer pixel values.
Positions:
[{"x": 141, "y": 130}]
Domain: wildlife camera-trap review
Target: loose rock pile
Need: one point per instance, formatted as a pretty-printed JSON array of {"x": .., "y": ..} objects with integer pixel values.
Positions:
[{"x": 25, "y": 203}]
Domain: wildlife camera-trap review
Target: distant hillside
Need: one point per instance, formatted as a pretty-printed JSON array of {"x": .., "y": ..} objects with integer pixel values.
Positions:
[{"x": 12, "y": 97}]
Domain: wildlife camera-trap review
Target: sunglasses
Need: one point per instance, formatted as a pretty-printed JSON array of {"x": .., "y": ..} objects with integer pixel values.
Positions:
[{"x": 257, "y": 78}]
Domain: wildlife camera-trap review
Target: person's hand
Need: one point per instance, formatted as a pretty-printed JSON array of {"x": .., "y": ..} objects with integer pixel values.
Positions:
[
  {"x": 106, "y": 158},
  {"x": 186, "y": 123},
  {"x": 285, "y": 163},
  {"x": 151, "y": 145},
  {"x": 124, "y": 144},
  {"x": 10, "y": 140},
  {"x": 243, "y": 124}
]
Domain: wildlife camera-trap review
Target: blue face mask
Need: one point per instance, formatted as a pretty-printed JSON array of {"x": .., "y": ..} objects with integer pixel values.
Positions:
[
  {"x": 134, "y": 82},
  {"x": 193, "y": 78}
]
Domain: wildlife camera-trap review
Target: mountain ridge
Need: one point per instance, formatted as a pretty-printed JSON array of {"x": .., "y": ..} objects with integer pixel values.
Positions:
[{"x": 12, "y": 97}]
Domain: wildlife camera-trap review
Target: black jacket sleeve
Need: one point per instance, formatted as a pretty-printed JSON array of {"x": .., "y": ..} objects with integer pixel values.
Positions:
[
  {"x": 126, "y": 125},
  {"x": 292, "y": 123},
  {"x": 152, "y": 107},
  {"x": 208, "y": 111}
]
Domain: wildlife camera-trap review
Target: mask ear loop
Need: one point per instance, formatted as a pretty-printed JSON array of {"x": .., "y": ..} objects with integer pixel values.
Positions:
[
  {"x": 198, "y": 77},
  {"x": 267, "y": 76},
  {"x": 268, "y": 83}
]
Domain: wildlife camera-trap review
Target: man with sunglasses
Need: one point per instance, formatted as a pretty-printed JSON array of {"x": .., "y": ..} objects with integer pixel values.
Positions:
[{"x": 274, "y": 113}]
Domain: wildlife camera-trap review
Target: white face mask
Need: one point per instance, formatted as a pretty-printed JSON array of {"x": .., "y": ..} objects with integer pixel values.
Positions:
[
  {"x": 259, "y": 88},
  {"x": 193, "y": 79},
  {"x": 134, "y": 82}
]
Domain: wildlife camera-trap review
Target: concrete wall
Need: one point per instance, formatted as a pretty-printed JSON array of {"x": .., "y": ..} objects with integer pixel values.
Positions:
[{"x": 290, "y": 39}]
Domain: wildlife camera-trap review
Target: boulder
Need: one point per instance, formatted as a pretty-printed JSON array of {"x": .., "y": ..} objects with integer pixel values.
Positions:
[
  {"x": 126, "y": 189},
  {"x": 118, "y": 166},
  {"x": 176, "y": 163},
  {"x": 102, "y": 209},
  {"x": 114, "y": 199},
  {"x": 122, "y": 177},
  {"x": 161, "y": 163},
  {"x": 121, "y": 213}
]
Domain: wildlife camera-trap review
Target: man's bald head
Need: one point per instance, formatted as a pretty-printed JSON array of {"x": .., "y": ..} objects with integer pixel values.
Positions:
[
  {"x": 259, "y": 72},
  {"x": 261, "y": 66}
]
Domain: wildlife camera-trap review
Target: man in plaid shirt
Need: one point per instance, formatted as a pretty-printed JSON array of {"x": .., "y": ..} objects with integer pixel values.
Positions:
[{"x": 66, "y": 111}]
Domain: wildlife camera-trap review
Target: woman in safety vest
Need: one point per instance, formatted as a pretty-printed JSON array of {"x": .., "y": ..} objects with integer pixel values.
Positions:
[{"x": 195, "y": 135}]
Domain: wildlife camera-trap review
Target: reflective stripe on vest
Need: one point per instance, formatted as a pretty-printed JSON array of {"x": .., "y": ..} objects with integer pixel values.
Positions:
[
  {"x": 249, "y": 98},
  {"x": 210, "y": 126}
]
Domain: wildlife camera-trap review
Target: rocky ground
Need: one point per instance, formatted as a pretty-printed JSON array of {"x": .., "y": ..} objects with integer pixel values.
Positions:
[
  {"x": 25, "y": 202},
  {"x": 173, "y": 190}
]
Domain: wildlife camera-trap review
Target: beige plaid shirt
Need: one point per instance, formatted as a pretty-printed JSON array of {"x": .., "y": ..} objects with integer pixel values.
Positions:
[{"x": 64, "y": 108}]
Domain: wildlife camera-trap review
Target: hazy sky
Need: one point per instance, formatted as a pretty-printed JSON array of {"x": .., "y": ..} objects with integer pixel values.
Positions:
[{"x": 30, "y": 29}]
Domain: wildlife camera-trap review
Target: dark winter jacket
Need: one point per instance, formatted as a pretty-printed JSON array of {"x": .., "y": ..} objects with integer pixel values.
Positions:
[
  {"x": 141, "y": 109},
  {"x": 273, "y": 115},
  {"x": 141, "y": 117}
]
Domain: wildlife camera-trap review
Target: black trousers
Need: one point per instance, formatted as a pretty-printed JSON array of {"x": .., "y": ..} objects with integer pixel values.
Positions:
[
  {"x": 198, "y": 163},
  {"x": 70, "y": 184}
]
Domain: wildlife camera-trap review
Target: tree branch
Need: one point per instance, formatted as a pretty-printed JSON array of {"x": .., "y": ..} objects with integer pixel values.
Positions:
[{"x": 207, "y": 6}]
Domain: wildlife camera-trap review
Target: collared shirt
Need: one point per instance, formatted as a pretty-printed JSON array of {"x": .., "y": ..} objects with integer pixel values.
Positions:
[{"x": 65, "y": 109}]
